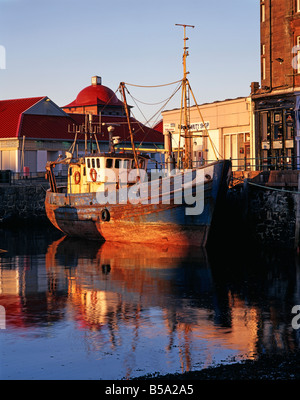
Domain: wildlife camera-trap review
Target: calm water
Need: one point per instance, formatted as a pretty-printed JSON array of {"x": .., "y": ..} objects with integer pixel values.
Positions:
[{"x": 81, "y": 310}]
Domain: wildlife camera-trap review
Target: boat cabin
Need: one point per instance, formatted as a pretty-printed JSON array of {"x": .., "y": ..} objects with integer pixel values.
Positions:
[{"x": 91, "y": 172}]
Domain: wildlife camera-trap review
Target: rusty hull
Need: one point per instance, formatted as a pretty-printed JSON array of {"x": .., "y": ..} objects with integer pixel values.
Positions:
[{"x": 79, "y": 215}]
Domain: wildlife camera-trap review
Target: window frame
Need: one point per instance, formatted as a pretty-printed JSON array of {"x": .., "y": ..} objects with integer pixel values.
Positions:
[
  {"x": 298, "y": 51},
  {"x": 263, "y": 12}
]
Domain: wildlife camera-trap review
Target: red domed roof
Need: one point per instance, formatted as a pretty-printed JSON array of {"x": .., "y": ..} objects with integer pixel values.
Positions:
[{"x": 94, "y": 95}]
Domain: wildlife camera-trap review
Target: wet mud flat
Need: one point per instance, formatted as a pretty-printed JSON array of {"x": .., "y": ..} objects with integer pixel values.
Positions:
[{"x": 266, "y": 368}]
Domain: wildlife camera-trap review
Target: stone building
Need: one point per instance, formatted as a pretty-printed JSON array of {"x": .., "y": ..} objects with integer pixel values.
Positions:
[{"x": 277, "y": 99}]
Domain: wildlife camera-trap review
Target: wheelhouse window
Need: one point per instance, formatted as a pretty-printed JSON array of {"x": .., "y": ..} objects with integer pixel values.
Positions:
[
  {"x": 141, "y": 163},
  {"x": 98, "y": 162},
  {"x": 117, "y": 163},
  {"x": 126, "y": 164},
  {"x": 109, "y": 163}
]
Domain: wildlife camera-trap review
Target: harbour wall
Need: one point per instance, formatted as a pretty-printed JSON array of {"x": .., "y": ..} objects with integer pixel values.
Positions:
[
  {"x": 266, "y": 208},
  {"x": 263, "y": 208},
  {"x": 271, "y": 216},
  {"x": 22, "y": 203}
]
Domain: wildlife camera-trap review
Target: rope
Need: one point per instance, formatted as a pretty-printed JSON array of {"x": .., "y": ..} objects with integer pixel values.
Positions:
[
  {"x": 149, "y": 104},
  {"x": 275, "y": 189},
  {"x": 108, "y": 101},
  {"x": 158, "y": 112},
  {"x": 155, "y": 86}
]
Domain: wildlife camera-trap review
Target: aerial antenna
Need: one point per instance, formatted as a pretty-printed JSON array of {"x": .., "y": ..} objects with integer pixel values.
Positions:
[{"x": 185, "y": 106}]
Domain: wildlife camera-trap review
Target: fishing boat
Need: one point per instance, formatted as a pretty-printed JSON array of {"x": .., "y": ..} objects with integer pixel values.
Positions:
[{"x": 112, "y": 196}]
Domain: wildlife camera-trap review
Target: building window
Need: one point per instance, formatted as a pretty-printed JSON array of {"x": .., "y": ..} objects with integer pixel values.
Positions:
[
  {"x": 264, "y": 125},
  {"x": 298, "y": 53},
  {"x": 278, "y": 127},
  {"x": 263, "y": 69},
  {"x": 263, "y": 12}
]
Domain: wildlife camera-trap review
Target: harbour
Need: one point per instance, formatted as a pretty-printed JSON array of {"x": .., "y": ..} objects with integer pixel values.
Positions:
[
  {"x": 78, "y": 309},
  {"x": 151, "y": 245}
]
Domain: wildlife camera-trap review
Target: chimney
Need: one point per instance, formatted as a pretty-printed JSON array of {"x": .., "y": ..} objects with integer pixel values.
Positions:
[
  {"x": 254, "y": 87},
  {"x": 96, "y": 80}
]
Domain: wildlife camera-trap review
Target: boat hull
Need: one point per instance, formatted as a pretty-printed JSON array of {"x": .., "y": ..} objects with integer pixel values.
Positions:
[{"x": 81, "y": 215}]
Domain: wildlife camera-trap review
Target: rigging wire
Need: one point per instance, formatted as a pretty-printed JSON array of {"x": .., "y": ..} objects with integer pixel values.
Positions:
[
  {"x": 160, "y": 110},
  {"x": 166, "y": 102},
  {"x": 149, "y": 104},
  {"x": 108, "y": 101},
  {"x": 157, "y": 114},
  {"x": 136, "y": 105},
  {"x": 155, "y": 86}
]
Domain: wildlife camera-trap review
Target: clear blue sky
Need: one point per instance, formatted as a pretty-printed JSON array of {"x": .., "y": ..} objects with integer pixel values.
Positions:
[{"x": 54, "y": 47}]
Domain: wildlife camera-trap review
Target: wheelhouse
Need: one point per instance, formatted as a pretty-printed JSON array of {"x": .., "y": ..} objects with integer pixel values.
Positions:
[{"x": 93, "y": 171}]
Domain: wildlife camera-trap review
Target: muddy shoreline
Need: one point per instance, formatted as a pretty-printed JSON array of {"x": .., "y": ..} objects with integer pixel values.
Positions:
[{"x": 266, "y": 368}]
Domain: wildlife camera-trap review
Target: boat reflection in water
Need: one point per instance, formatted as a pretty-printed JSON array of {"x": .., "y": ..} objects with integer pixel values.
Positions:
[
  {"x": 119, "y": 310},
  {"x": 135, "y": 284}
]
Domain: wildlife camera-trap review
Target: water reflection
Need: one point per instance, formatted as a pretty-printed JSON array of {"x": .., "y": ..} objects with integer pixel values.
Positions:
[{"x": 141, "y": 309}]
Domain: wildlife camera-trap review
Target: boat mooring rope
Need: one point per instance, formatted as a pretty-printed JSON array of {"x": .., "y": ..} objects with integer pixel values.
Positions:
[{"x": 272, "y": 188}]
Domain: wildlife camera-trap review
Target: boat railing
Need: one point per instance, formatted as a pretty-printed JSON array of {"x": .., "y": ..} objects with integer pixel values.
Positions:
[
  {"x": 248, "y": 163},
  {"x": 9, "y": 177}
]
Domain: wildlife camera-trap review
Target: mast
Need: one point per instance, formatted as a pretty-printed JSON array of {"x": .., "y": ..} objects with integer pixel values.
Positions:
[
  {"x": 122, "y": 87},
  {"x": 185, "y": 105}
]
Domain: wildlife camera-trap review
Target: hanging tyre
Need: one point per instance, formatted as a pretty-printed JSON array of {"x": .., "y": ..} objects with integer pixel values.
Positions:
[{"x": 105, "y": 215}]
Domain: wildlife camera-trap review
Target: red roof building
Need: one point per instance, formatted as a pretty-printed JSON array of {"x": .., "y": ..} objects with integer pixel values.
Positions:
[
  {"x": 143, "y": 135},
  {"x": 35, "y": 117},
  {"x": 159, "y": 126},
  {"x": 32, "y": 132},
  {"x": 96, "y": 99},
  {"x": 36, "y": 130}
]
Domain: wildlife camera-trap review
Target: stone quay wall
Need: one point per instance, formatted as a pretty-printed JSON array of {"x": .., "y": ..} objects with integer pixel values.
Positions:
[
  {"x": 265, "y": 208},
  {"x": 273, "y": 208},
  {"x": 22, "y": 202},
  {"x": 271, "y": 216}
]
